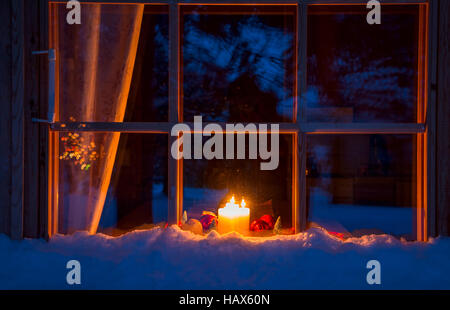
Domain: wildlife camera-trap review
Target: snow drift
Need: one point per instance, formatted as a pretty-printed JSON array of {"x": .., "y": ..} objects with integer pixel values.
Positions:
[{"x": 174, "y": 259}]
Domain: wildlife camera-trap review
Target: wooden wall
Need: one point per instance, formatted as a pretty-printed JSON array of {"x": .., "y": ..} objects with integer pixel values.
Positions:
[
  {"x": 20, "y": 102},
  {"x": 5, "y": 116},
  {"x": 23, "y": 156},
  {"x": 443, "y": 121}
]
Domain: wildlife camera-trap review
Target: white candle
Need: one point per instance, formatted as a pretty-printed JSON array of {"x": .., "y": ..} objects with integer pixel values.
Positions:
[{"x": 233, "y": 217}]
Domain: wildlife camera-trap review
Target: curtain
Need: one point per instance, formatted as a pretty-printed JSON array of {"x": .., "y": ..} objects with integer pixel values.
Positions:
[{"x": 95, "y": 62}]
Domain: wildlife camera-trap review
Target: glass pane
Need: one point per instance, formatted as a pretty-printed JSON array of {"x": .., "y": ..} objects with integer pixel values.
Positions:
[
  {"x": 113, "y": 67},
  {"x": 209, "y": 184},
  {"x": 359, "y": 72},
  {"x": 362, "y": 184},
  {"x": 148, "y": 98},
  {"x": 238, "y": 62},
  {"x": 116, "y": 182}
]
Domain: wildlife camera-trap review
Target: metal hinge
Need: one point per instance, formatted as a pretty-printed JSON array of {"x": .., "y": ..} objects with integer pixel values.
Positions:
[{"x": 51, "y": 86}]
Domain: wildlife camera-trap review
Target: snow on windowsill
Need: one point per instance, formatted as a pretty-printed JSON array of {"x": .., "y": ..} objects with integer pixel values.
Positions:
[{"x": 175, "y": 259}]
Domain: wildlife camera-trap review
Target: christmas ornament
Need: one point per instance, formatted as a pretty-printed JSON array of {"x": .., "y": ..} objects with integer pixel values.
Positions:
[
  {"x": 213, "y": 225},
  {"x": 207, "y": 220},
  {"x": 184, "y": 218},
  {"x": 269, "y": 220},
  {"x": 194, "y": 226},
  {"x": 265, "y": 222},
  {"x": 277, "y": 226}
]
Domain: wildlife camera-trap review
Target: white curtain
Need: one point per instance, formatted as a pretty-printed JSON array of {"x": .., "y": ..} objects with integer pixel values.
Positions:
[{"x": 95, "y": 63}]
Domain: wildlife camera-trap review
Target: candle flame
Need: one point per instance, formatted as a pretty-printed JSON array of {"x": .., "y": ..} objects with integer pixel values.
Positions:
[{"x": 234, "y": 210}]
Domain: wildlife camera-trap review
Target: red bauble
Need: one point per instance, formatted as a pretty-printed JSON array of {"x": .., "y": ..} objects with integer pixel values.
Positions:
[
  {"x": 207, "y": 220},
  {"x": 258, "y": 225},
  {"x": 269, "y": 220},
  {"x": 265, "y": 222}
]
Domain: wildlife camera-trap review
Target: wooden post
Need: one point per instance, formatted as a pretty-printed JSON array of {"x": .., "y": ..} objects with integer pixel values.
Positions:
[
  {"x": 174, "y": 114},
  {"x": 44, "y": 218},
  {"x": 443, "y": 120},
  {"x": 430, "y": 99},
  {"x": 17, "y": 119},
  {"x": 31, "y": 129},
  {"x": 300, "y": 138},
  {"x": 5, "y": 116}
]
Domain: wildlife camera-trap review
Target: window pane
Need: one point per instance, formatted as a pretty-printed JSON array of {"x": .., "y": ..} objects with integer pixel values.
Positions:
[
  {"x": 148, "y": 98},
  {"x": 238, "y": 62},
  {"x": 113, "y": 67},
  {"x": 362, "y": 184},
  {"x": 116, "y": 181},
  {"x": 359, "y": 72},
  {"x": 209, "y": 184}
]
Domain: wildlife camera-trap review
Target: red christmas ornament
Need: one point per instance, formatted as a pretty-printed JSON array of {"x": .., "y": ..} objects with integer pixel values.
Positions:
[
  {"x": 269, "y": 220},
  {"x": 206, "y": 220},
  {"x": 258, "y": 225},
  {"x": 265, "y": 222}
]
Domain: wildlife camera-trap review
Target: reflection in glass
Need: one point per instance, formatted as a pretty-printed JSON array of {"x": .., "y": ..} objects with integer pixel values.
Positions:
[
  {"x": 148, "y": 98},
  {"x": 238, "y": 62},
  {"x": 359, "y": 72},
  {"x": 102, "y": 191},
  {"x": 362, "y": 184}
]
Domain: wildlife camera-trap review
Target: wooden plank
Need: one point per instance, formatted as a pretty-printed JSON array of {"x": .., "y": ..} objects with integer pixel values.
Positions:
[
  {"x": 296, "y": 210},
  {"x": 121, "y": 1},
  {"x": 302, "y": 39},
  {"x": 425, "y": 141},
  {"x": 362, "y": 128},
  {"x": 430, "y": 56},
  {"x": 363, "y": 2},
  {"x": 43, "y": 128},
  {"x": 300, "y": 214},
  {"x": 421, "y": 186},
  {"x": 112, "y": 127},
  {"x": 242, "y": 2},
  {"x": 302, "y": 218},
  {"x": 272, "y": 2},
  {"x": 174, "y": 189},
  {"x": 31, "y": 129},
  {"x": 443, "y": 120},
  {"x": 137, "y": 127},
  {"x": 5, "y": 116},
  {"x": 17, "y": 119},
  {"x": 313, "y": 128},
  {"x": 53, "y": 137}
]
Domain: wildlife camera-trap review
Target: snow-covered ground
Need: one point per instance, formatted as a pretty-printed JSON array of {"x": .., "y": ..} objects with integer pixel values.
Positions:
[{"x": 174, "y": 259}]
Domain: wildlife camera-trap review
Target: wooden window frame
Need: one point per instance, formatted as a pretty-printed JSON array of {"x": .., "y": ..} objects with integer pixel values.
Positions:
[{"x": 424, "y": 129}]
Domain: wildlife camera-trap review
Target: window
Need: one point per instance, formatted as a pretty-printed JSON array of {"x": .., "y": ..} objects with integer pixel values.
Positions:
[
  {"x": 364, "y": 89},
  {"x": 350, "y": 102}
]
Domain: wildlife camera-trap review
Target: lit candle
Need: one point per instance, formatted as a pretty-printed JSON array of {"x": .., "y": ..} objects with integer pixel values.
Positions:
[{"x": 233, "y": 217}]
